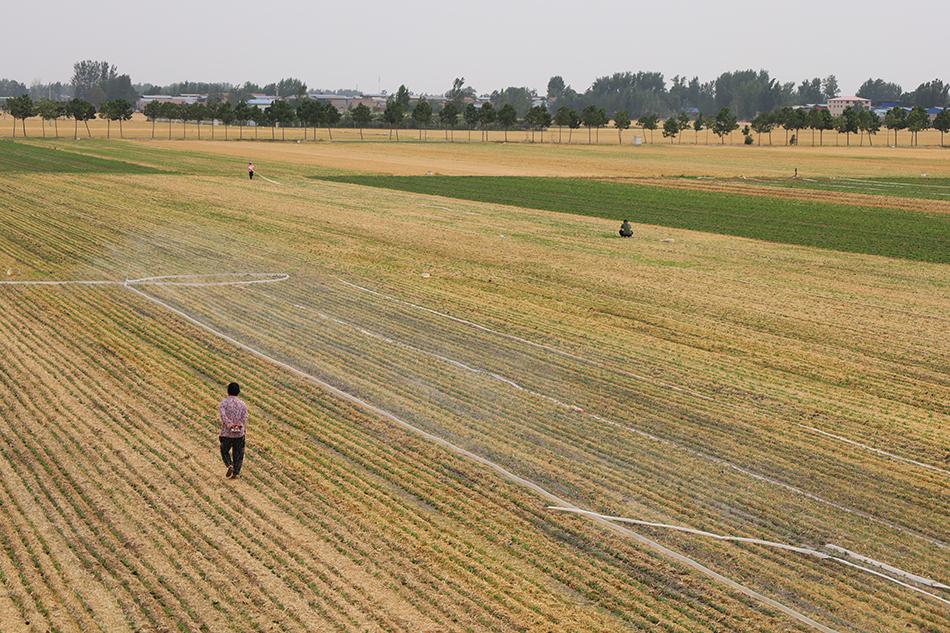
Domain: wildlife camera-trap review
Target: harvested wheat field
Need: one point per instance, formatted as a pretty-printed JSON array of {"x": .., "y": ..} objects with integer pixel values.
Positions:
[{"x": 473, "y": 406}]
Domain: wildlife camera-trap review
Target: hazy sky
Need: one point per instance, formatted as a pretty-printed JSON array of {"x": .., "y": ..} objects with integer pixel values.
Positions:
[{"x": 492, "y": 43}]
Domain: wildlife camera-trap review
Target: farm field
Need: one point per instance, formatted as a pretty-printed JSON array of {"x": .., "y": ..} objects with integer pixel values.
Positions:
[{"x": 427, "y": 373}]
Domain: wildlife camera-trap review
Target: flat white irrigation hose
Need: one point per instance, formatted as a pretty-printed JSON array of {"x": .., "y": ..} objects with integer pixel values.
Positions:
[
  {"x": 784, "y": 546},
  {"x": 165, "y": 280},
  {"x": 266, "y": 178}
]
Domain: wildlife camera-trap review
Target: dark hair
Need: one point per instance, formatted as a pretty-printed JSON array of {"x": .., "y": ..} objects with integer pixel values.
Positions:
[{"x": 234, "y": 389}]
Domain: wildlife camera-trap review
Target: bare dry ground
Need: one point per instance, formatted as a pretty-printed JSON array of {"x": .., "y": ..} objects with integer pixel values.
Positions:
[{"x": 740, "y": 387}]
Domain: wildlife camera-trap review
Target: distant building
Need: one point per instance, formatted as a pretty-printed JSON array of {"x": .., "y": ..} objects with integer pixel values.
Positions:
[
  {"x": 837, "y": 105},
  {"x": 261, "y": 101},
  {"x": 933, "y": 112}
]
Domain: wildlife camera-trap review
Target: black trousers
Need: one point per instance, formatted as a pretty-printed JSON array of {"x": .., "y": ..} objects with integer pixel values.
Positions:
[
  {"x": 232, "y": 452},
  {"x": 250, "y": 175}
]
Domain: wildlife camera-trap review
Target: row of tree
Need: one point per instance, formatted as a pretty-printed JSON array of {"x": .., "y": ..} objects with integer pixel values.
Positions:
[{"x": 309, "y": 113}]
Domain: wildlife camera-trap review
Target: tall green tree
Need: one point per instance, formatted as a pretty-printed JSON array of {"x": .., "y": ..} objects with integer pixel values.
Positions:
[
  {"x": 21, "y": 108},
  {"x": 621, "y": 122},
  {"x": 868, "y": 123},
  {"x": 224, "y": 112},
  {"x": 242, "y": 114},
  {"x": 198, "y": 112},
  {"x": 331, "y": 117},
  {"x": 822, "y": 121},
  {"x": 116, "y": 110},
  {"x": 649, "y": 121},
  {"x": 930, "y": 94},
  {"x": 403, "y": 97},
  {"x": 556, "y": 87},
  {"x": 942, "y": 123},
  {"x": 724, "y": 124},
  {"x": 422, "y": 115},
  {"x": 282, "y": 113},
  {"x": 309, "y": 113},
  {"x": 917, "y": 121},
  {"x": 393, "y": 116},
  {"x": 50, "y": 111},
  {"x": 574, "y": 123},
  {"x": 829, "y": 86},
  {"x": 80, "y": 110},
  {"x": 895, "y": 119},
  {"x": 470, "y": 115},
  {"x": 562, "y": 118},
  {"x": 289, "y": 88},
  {"x": 507, "y": 116},
  {"x": 671, "y": 127},
  {"x": 486, "y": 117},
  {"x": 795, "y": 120},
  {"x": 459, "y": 92},
  {"x": 763, "y": 124},
  {"x": 538, "y": 118},
  {"x": 152, "y": 112},
  {"x": 361, "y": 117},
  {"x": 682, "y": 121},
  {"x": 590, "y": 117},
  {"x": 847, "y": 123},
  {"x": 878, "y": 90},
  {"x": 448, "y": 117},
  {"x": 170, "y": 112},
  {"x": 699, "y": 124},
  {"x": 782, "y": 116}
]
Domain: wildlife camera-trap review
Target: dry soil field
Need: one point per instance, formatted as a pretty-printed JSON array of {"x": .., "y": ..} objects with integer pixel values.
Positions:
[{"x": 741, "y": 434}]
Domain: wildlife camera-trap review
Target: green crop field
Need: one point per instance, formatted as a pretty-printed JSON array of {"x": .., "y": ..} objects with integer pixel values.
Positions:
[
  {"x": 473, "y": 407},
  {"x": 875, "y": 231}
]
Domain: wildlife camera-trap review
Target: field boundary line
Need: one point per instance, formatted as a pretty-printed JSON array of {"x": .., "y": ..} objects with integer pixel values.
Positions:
[
  {"x": 592, "y": 363},
  {"x": 784, "y": 546},
  {"x": 501, "y": 470},
  {"x": 629, "y": 428},
  {"x": 874, "y": 450}
]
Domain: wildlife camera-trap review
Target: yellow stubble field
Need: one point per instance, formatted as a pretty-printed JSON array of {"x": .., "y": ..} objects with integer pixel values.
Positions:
[{"x": 499, "y": 360}]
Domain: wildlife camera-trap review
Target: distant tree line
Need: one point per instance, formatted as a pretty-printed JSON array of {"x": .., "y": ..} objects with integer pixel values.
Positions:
[{"x": 745, "y": 92}]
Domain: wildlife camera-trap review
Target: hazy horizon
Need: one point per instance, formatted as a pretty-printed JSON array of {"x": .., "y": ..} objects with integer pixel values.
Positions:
[{"x": 494, "y": 44}]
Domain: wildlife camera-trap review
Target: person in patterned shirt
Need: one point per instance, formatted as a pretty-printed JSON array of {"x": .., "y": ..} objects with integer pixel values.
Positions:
[{"x": 233, "y": 413}]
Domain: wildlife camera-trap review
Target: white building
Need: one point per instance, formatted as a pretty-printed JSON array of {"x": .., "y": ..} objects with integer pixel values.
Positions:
[{"x": 837, "y": 105}]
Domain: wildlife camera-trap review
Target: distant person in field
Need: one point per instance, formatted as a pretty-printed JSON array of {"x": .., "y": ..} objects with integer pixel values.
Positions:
[
  {"x": 625, "y": 229},
  {"x": 233, "y": 414},
  {"x": 250, "y": 170}
]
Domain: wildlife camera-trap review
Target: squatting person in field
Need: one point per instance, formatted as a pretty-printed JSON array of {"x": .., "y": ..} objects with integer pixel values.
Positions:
[
  {"x": 233, "y": 414},
  {"x": 625, "y": 229},
  {"x": 250, "y": 170}
]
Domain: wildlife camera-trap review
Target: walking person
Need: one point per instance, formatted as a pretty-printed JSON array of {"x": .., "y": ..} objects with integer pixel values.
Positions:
[
  {"x": 233, "y": 414},
  {"x": 250, "y": 170}
]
